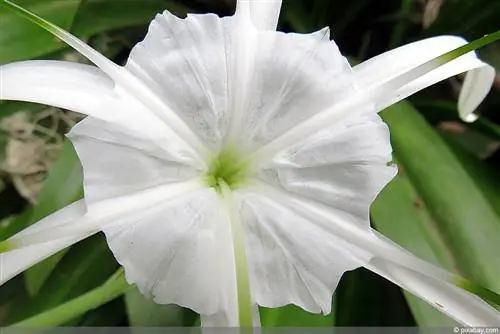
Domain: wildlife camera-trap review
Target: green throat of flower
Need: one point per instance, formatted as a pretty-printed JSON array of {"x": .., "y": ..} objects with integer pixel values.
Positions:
[{"x": 227, "y": 168}]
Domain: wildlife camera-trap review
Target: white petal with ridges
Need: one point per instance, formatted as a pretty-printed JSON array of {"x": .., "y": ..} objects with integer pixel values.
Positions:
[
  {"x": 295, "y": 76},
  {"x": 292, "y": 259},
  {"x": 386, "y": 79},
  {"x": 344, "y": 166},
  {"x": 187, "y": 246},
  {"x": 184, "y": 60},
  {"x": 78, "y": 221},
  {"x": 117, "y": 161},
  {"x": 384, "y": 257},
  {"x": 382, "y": 68},
  {"x": 237, "y": 80}
]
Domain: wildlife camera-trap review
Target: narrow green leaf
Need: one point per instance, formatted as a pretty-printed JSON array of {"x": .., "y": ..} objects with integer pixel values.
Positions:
[
  {"x": 485, "y": 176},
  {"x": 21, "y": 39},
  {"x": 400, "y": 214},
  {"x": 84, "y": 267},
  {"x": 113, "y": 288}
]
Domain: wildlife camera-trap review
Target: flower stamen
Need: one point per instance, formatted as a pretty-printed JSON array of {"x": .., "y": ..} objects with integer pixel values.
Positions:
[{"x": 227, "y": 169}]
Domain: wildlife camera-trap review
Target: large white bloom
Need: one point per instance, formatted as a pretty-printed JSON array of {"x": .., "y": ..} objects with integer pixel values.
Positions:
[{"x": 230, "y": 165}]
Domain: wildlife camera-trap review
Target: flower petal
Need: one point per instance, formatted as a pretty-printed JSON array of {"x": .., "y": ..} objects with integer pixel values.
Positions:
[
  {"x": 459, "y": 304},
  {"x": 389, "y": 65},
  {"x": 264, "y": 14},
  {"x": 185, "y": 266},
  {"x": 184, "y": 60},
  {"x": 117, "y": 161},
  {"x": 344, "y": 166},
  {"x": 294, "y": 77},
  {"x": 77, "y": 87},
  {"x": 476, "y": 86},
  {"x": 375, "y": 252},
  {"x": 25, "y": 254},
  {"x": 76, "y": 222},
  {"x": 293, "y": 259},
  {"x": 226, "y": 79}
]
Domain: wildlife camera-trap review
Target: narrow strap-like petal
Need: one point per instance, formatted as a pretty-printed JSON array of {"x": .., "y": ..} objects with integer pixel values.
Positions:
[
  {"x": 459, "y": 304},
  {"x": 85, "y": 89},
  {"x": 17, "y": 257},
  {"x": 388, "y": 65},
  {"x": 82, "y": 88},
  {"x": 264, "y": 14},
  {"x": 77, "y": 87},
  {"x": 430, "y": 283}
]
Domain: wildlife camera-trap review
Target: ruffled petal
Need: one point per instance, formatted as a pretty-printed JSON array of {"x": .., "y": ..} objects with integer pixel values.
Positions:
[
  {"x": 457, "y": 303},
  {"x": 293, "y": 258},
  {"x": 172, "y": 250},
  {"x": 344, "y": 166},
  {"x": 184, "y": 60},
  {"x": 295, "y": 76},
  {"x": 358, "y": 247},
  {"x": 31, "y": 245},
  {"x": 227, "y": 79},
  {"x": 117, "y": 161},
  {"x": 264, "y": 14},
  {"x": 380, "y": 69}
]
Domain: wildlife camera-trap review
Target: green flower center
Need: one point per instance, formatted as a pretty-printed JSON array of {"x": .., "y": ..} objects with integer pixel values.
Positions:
[{"x": 227, "y": 168}]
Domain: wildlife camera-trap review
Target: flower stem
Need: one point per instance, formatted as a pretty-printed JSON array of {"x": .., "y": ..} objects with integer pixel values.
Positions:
[
  {"x": 115, "y": 286},
  {"x": 245, "y": 313}
]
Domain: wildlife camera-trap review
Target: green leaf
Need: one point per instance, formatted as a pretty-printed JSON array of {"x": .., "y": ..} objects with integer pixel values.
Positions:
[
  {"x": 435, "y": 192},
  {"x": 144, "y": 312},
  {"x": 113, "y": 288},
  {"x": 62, "y": 187},
  {"x": 14, "y": 225},
  {"x": 21, "y": 39},
  {"x": 400, "y": 214},
  {"x": 484, "y": 175},
  {"x": 25, "y": 40},
  {"x": 85, "y": 266}
]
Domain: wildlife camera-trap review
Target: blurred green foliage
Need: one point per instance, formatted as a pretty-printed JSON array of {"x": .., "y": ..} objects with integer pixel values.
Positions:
[{"x": 444, "y": 206}]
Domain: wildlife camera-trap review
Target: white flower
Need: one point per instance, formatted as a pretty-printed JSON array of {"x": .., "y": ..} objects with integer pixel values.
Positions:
[{"x": 230, "y": 165}]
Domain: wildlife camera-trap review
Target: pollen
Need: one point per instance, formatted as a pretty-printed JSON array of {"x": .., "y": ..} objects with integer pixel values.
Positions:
[{"x": 227, "y": 168}]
